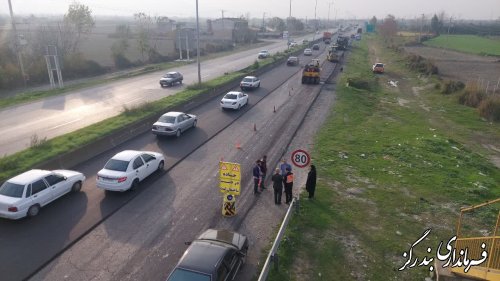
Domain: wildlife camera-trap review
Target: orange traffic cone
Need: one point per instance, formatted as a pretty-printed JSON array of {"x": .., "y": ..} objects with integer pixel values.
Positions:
[{"x": 238, "y": 145}]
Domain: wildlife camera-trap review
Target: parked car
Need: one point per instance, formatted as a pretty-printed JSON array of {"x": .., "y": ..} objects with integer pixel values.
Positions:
[
  {"x": 24, "y": 195},
  {"x": 292, "y": 61},
  {"x": 264, "y": 54},
  {"x": 308, "y": 52},
  {"x": 249, "y": 82},
  {"x": 292, "y": 44},
  {"x": 378, "y": 68},
  {"x": 234, "y": 100},
  {"x": 128, "y": 168},
  {"x": 171, "y": 78},
  {"x": 315, "y": 47},
  {"x": 174, "y": 123},
  {"x": 215, "y": 255}
]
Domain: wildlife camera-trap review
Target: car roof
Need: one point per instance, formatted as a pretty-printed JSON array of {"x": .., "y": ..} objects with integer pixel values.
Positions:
[
  {"x": 173, "y": 113},
  {"x": 29, "y": 176},
  {"x": 172, "y": 72},
  {"x": 203, "y": 256},
  {"x": 127, "y": 155},
  {"x": 293, "y": 58},
  {"x": 249, "y": 77},
  {"x": 233, "y": 92},
  {"x": 264, "y": 51},
  {"x": 307, "y": 49}
]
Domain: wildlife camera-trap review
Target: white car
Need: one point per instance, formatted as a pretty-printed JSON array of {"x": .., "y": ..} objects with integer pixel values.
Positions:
[
  {"x": 126, "y": 169},
  {"x": 249, "y": 82},
  {"x": 308, "y": 52},
  {"x": 234, "y": 100},
  {"x": 293, "y": 44},
  {"x": 264, "y": 54},
  {"x": 174, "y": 123},
  {"x": 24, "y": 195}
]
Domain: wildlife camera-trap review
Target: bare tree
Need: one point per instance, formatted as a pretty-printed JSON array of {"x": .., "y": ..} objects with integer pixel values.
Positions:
[
  {"x": 144, "y": 31},
  {"x": 77, "y": 23},
  {"x": 389, "y": 27}
]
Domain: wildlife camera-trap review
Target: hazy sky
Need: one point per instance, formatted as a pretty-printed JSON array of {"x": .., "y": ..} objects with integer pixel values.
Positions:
[{"x": 462, "y": 9}]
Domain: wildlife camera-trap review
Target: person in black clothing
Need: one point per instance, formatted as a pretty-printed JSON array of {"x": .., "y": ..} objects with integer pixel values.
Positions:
[
  {"x": 311, "y": 181},
  {"x": 277, "y": 186},
  {"x": 257, "y": 175},
  {"x": 288, "y": 185},
  {"x": 263, "y": 169}
]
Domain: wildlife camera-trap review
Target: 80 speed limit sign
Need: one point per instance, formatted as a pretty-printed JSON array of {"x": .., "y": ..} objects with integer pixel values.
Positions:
[{"x": 300, "y": 158}]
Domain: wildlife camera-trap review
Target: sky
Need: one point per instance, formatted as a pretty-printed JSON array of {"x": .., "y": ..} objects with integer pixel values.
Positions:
[{"x": 310, "y": 9}]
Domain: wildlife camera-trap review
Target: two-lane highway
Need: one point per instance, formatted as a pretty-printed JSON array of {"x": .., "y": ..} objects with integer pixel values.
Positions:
[{"x": 59, "y": 115}]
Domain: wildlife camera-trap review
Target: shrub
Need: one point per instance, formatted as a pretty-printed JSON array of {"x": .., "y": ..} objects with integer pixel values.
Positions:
[
  {"x": 422, "y": 65},
  {"x": 361, "y": 83},
  {"x": 489, "y": 108},
  {"x": 472, "y": 95},
  {"x": 450, "y": 87},
  {"x": 121, "y": 61}
]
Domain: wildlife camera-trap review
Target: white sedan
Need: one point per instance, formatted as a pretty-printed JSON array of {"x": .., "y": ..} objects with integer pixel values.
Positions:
[
  {"x": 174, "y": 123},
  {"x": 249, "y": 82},
  {"x": 126, "y": 169},
  {"x": 308, "y": 52},
  {"x": 24, "y": 194},
  {"x": 234, "y": 100}
]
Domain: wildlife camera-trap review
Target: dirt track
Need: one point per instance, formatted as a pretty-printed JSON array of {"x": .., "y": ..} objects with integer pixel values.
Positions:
[{"x": 460, "y": 66}]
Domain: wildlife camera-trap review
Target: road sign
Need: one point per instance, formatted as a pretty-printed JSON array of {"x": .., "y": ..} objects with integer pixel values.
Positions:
[
  {"x": 300, "y": 158},
  {"x": 285, "y": 34},
  {"x": 229, "y": 205},
  {"x": 229, "y": 178}
]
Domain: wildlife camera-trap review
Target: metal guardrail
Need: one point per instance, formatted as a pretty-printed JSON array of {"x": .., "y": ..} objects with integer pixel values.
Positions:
[{"x": 273, "y": 254}]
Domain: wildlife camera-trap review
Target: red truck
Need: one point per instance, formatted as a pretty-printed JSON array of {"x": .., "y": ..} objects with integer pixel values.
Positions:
[{"x": 327, "y": 37}]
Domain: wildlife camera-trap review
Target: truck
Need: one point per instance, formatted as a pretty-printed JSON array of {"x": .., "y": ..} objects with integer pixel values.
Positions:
[
  {"x": 327, "y": 37},
  {"x": 333, "y": 55},
  {"x": 342, "y": 42},
  {"x": 311, "y": 72}
]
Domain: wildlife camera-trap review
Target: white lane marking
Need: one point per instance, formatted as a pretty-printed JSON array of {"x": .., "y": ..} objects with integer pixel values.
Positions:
[
  {"x": 134, "y": 100},
  {"x": 67, "y": 123}
]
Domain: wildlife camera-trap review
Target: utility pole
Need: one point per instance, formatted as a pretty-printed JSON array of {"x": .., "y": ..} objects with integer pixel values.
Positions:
[
  {"x": 263, "y": 23},
  {"x": 180, "y": 44},
  {"x": 421, "y": 26},
  {"x": 290, "y": 14},
  {"x": 449, "y": 26},
  {"x": 222, "y": 11},
  {"x": 16, "y": 44},
  {"x": 187, "y": 44},
  {"x": 315, "y": 19},
  {"x": 198, "y": 43},
  {"x": 329, "y": 6}
]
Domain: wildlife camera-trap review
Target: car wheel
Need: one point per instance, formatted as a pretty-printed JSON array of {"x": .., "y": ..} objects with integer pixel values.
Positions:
[
  {"x": 178, "y": 133},
  {"x": 180, "y": 82},
  {"x": 77, "y": 186},
  {"x": 33, "y": 211},
  {"x": 239, "y": 106},
  {"x": 258, "y": 85},
  {"x": 194, "y": 123},
  {"x": 134, "y": 184},
  {"x": 161, "y": 165}
]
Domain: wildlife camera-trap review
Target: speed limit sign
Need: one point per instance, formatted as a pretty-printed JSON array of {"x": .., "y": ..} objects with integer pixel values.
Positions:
[{"x": 300, "y": 158}]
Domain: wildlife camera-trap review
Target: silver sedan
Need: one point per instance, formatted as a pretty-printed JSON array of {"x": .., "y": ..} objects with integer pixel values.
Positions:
[{"x": 174, "y": 123}]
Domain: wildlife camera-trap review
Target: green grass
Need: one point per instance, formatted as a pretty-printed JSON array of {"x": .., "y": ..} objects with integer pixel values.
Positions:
[
  {"x": 467, "y": 43},
  {"x": 386, "y": 174}
]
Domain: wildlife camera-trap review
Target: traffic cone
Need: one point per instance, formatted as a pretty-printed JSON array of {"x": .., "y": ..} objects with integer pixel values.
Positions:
[
  {"x": 274, "y": 109},
  {"x": 238, "y": 145},
  {"x": 254, "y": 127},
  {"x": 289, "y": 94}
]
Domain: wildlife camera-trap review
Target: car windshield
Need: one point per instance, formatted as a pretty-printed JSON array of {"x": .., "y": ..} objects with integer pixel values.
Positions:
[
  {"x": 182, "y": 274},
  {"x": 231, "y": 96},
  {"x": 292, "y": 59},
  {"x": 12, "y": 189},
  {"x": 169, "y": 75},
  {"x": 247, "y": 79},
  {"x": 379, "y": 65},
  {"x": 263, "y": 51},
  {"x": 116, "y": 165},
  {"x": 167, "y": 119}
]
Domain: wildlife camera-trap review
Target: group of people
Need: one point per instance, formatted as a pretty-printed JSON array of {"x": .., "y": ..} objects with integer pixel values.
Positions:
[{"x": 282, "y": 177}]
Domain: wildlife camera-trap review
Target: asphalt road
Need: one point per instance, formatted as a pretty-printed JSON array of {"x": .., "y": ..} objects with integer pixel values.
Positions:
[
  {"x": 59, "y": 115},
  {"x": 122, "y": 230}
]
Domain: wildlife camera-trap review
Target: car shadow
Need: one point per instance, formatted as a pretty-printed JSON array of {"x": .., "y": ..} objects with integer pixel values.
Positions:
[
  {"x": 183, "y": 145},
  {"x": 28, "y": 244}
]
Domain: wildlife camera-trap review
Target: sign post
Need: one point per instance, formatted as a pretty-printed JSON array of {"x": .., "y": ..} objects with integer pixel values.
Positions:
[{"x": 229, "y": 186}]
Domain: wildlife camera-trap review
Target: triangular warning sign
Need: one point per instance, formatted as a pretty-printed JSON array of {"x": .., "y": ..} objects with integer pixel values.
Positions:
[
  {"x": 223, "y": 167},
  {"x": 235, "y": 168}
]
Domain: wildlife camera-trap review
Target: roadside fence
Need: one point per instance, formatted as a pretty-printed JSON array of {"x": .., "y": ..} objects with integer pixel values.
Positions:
[{"x": 272, "y": 257}]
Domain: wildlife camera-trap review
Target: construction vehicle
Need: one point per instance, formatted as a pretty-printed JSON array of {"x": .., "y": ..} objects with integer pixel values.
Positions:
[
  {"x": 342, "y": 42},
  {"x": 333, "y": 54},
  {"x": 327, "y": 37},
  {"x": 311, "y": 72}
]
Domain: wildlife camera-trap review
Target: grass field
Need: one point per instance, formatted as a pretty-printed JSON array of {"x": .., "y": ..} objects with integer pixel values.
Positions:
[
  {"x": 391, "y": 164},
  {"x": 467, "y": 43}
]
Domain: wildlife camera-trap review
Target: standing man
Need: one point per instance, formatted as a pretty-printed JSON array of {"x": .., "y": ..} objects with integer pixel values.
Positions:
[
  {"x": 311, "y": 181},
  {"x": 257, "y": 174},
  {"x": 284, "y": 165},
  {"x": 263, "y": 168},
  {"x": 277, "y": 186},
  {"x": 288, "y": 185}
]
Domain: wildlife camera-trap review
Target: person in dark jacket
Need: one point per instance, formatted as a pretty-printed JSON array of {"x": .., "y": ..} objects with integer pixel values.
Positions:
[
  {"x": 263, "y": 169},
  {"x": 257, "y": 175},
  {"x": 277, "y": 186},
  {"x": 288, "y": 185},
  {"x": 311, "y": 181}
]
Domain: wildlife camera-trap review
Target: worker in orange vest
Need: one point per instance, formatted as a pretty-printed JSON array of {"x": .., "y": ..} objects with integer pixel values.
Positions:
[{"x": 288, "y": 185}]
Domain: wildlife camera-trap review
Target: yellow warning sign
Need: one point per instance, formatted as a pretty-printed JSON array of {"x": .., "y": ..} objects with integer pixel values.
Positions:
[
  {"x": 229, "y": 178},
  {"x": 229, "y": 205}
]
